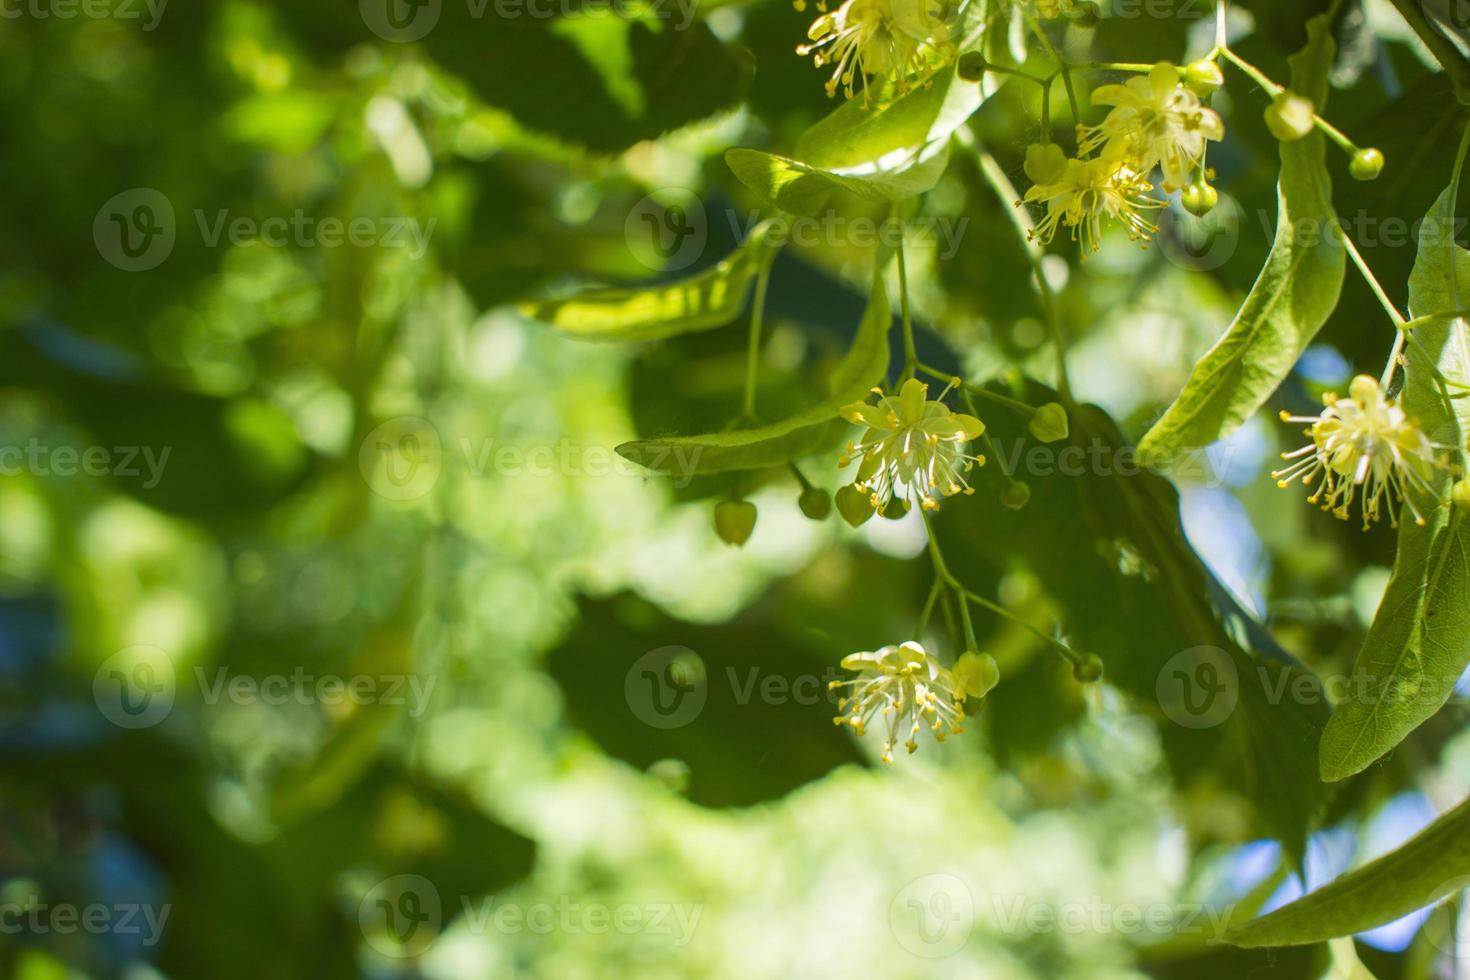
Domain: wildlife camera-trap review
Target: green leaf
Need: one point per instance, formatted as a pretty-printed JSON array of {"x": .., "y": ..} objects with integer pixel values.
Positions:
[
  {"x": 911, "y": 128},
  {"x": 1419, "y": 643},
  {"x": 796, "y": 187},
  {"x": 891, "y": 153},
  {"x": 703, "y": 301},
  {"x": 1294, "y": 295},
  {"x": 744, "y": 705},
  {"x": 1432, "y": 865},
  {"x": 1131, "y": 589},
  {"x": 864, "y": 366}
]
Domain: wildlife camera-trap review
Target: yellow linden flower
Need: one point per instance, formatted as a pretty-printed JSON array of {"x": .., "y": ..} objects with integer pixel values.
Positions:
[
  {"x": 911, "y": 690},
  {"x": 914, "y": 448},
  {"x": 892, "y": 39},
  {"x": 1080, "y": 194},
  {"x": 1156, "y": 121},
  {"x": 1367, "y": 443}
]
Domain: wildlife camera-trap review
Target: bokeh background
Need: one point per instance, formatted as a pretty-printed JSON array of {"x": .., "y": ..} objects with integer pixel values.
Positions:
[{"x": 335, "y": 639}]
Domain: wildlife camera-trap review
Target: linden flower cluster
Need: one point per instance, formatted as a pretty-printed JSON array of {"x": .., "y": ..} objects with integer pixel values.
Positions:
[
  {"x": 1081, "y": 194},
  {"x": 914, "y": 448},
  {"x": 910, "y": 690},
  {"x": 1156, "y": 121},
  {"x": 1365, "y": 449},
  {"x": 886, "y": 39}
]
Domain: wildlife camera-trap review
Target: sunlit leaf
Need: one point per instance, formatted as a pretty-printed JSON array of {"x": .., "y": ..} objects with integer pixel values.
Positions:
[
  {"x": 802, "y": 189},
  {"x": 1435, "y": 863},
  {"x": 704, "y": 301},
  {"x": 807, "y": 431},
  {"x": 889, "y": 153}
]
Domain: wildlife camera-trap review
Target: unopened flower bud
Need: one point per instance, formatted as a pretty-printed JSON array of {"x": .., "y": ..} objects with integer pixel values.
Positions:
[
  {"x": 894, "y": 510},
  {"x": 1203, "y": 77},
  {"x": 815, "y": 503},
  {"x": 976, "y": 674},
  {"x": 1015, "y": 496},
  {"x": 1199, "y": 198},
  {"x": 1089, "y": 670},
  {"x": 972, "y": 66},
  {"x": 1049, "y": 424},
  {"x": 1461, "y": 495},
  {"x": 1045, "y": 163},
  {"x": 855, "y": 506},
  {"x": 1289, "y": 117},
  {"x": 734, "y": 521},
  {"x": 1367, "y": 164}
]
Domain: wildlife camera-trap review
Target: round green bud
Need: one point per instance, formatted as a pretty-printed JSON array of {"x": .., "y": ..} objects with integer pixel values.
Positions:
[
  {"x": 976, "y": 674},
  {"x": 1460, "y": 494},
  {"x": 1045, "y": 163},
  {"x": 1199, "y": 198},
  {"x": 815, "y": 503},
  {"x": 972, "y": 66},
  {"x": 1289, "y": 117},
  {"x": 894, "y": 510},
  {"x": 854, "y": 505},
  {"x": 1049, "y": 424},
  {"x": 1089, "y": 670},
  {"x": 734, "y": 521},
  {"x": 1203, "y": 77},
  {"x": 1367, "y": 164},
  {"x": 1015, "y": 496}
]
